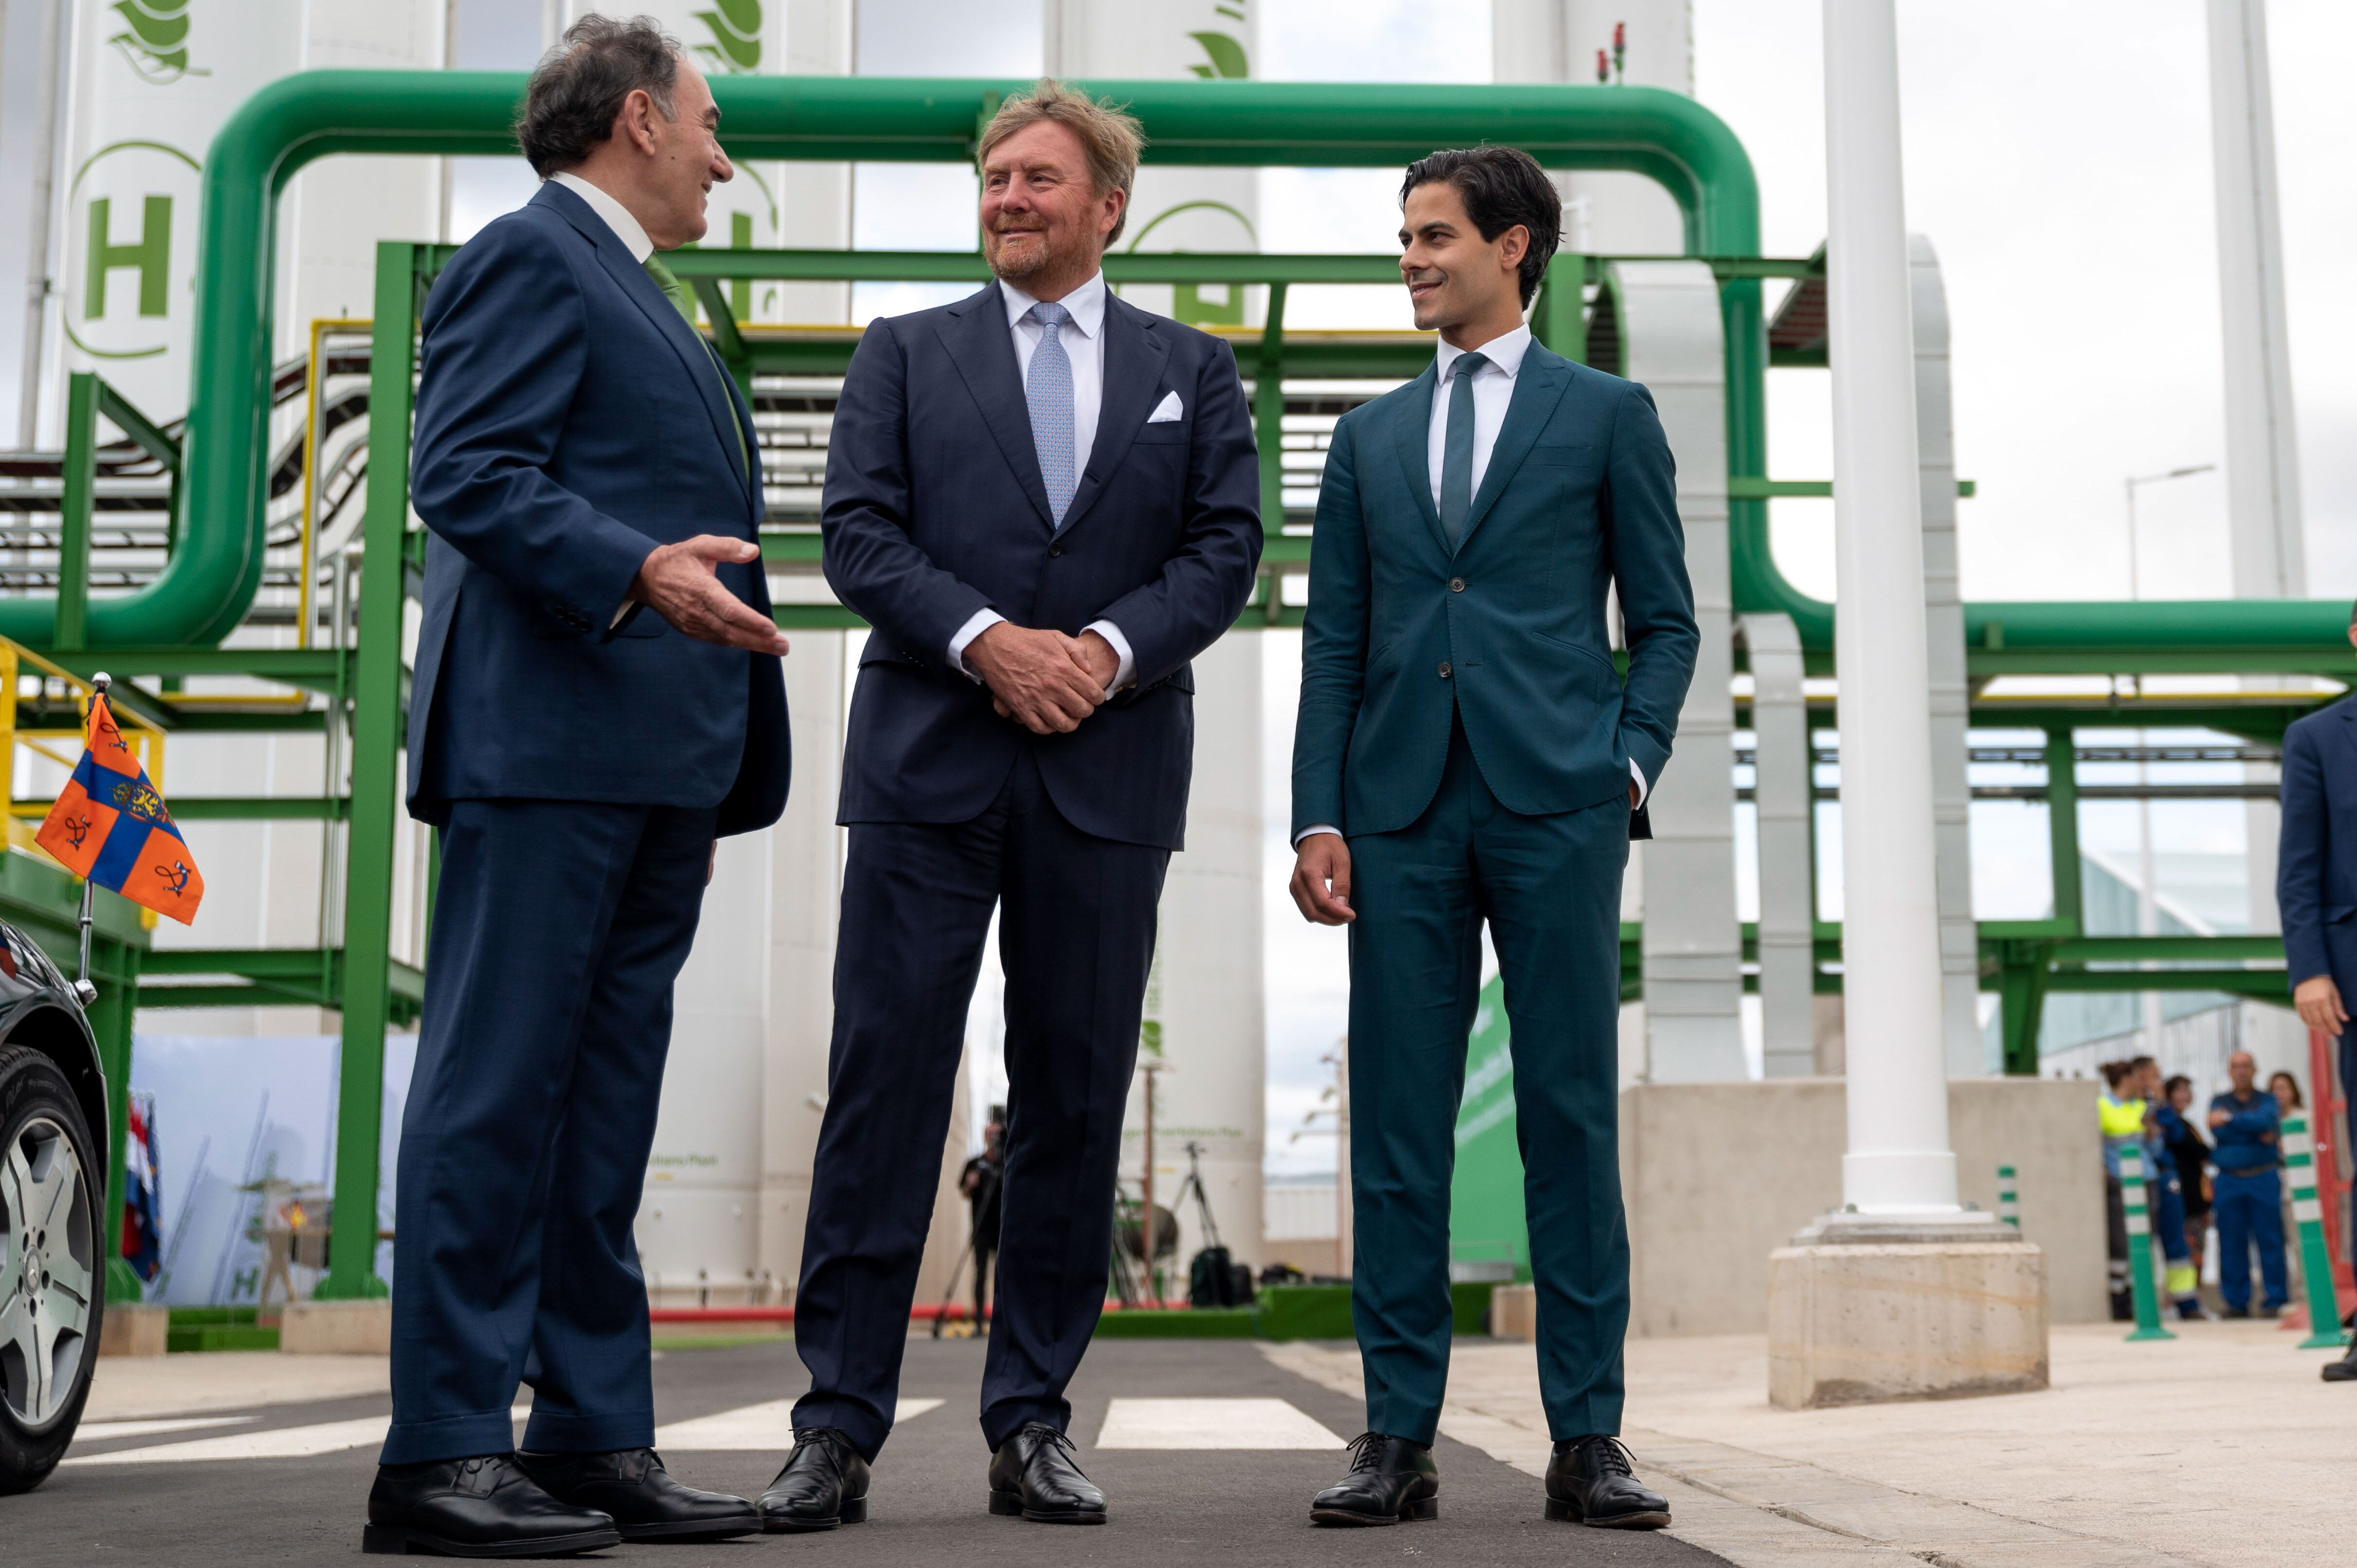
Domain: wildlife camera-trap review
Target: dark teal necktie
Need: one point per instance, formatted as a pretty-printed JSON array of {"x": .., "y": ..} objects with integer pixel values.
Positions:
[
  {"x": 1456, "y": 450},
  {"x": 683, "y": 299}
]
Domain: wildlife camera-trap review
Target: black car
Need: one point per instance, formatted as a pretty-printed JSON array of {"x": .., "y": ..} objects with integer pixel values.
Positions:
[{"x": 53, "y": 1237}]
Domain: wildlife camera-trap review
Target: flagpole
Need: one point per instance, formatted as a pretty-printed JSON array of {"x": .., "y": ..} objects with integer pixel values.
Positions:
[{"x": 83, "y": 989}]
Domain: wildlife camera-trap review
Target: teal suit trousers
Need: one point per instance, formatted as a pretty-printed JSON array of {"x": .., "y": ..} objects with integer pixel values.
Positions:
[{"x": 1549, "y": 887}]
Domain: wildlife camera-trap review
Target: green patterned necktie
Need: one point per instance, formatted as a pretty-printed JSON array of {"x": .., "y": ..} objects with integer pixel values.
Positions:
[{"x": 683, "y": 299}]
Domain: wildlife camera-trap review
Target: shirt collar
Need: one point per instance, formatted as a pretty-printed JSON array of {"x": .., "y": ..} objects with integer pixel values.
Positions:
[
  {"x": 627, "y": 229},
  {"x": 1504, "y": 352},
  {"x": 1087, "y": 304}
]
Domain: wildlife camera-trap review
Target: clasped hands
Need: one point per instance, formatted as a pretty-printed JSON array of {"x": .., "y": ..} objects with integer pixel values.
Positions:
[{"x": 1046, "y": 682}]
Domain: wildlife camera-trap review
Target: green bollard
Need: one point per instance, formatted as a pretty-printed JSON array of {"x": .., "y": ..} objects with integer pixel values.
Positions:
[
  {"x": 2324, "y": 1330},
  {"x": 2008, "y": 1201},
  {"x": 2133, "y": 1195}
]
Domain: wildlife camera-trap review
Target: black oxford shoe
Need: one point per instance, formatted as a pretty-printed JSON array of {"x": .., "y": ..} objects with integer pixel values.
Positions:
[
  {"x": 1033, "y": 1475},
  {"x": 1391, "y": 1479},
  {"x": 2344, "y": 1370},
  {"x": 646, "y": 1504},
  {"x": 482, "y": 1507},
  {"x": 1589, "y": 1480},
  {"x": 825, "y": 1483}
]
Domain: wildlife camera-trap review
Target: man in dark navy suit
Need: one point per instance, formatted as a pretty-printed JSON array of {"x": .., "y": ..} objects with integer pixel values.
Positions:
[
  {"x": 2315, "y": 890},
  {"x": 598, "y": 698},
  {"x": 1046, "y": 502}
]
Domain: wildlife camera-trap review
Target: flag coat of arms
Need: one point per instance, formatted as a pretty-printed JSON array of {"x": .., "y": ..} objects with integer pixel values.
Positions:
[{"x": 113, "y": 827}]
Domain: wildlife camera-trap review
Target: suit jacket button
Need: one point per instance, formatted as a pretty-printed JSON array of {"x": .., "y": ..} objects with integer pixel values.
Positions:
[
  {"x": 1456, "y": 585},
  {"x": 1444, "y": 670},
  {"x": 1054, "y": 551}
]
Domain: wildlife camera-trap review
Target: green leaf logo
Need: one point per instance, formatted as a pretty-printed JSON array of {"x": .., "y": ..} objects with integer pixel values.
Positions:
[
  {"x": 736, "y": 26},
  {"x": 154, "y": 39},
  {"x": 1226, "y": 56}
]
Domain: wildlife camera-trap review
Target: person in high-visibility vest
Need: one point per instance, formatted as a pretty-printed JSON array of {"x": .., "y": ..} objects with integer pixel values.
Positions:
[
  {"x": 2182, "y": 1275},
  {"x": 2122, "y": 1118}
]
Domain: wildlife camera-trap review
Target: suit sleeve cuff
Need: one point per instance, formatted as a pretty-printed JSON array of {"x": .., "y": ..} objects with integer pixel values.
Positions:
[
  {"x": 1313, "y": 828},
  {"x": 1643, "y": 789},
  {"x": 1127, "y": 671},
  {"x": 981, "y": 620}
]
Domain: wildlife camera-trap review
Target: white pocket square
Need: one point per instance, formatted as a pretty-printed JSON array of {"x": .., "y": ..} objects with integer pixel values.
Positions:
[{"x": 1166, "y": 411}]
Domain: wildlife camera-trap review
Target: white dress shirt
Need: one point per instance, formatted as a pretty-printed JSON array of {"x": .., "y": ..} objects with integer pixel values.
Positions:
[
  {"x": 627, "y": 229},
  {"x": 1087, "y": 305},
  {"x": 1494, "y": 388}
]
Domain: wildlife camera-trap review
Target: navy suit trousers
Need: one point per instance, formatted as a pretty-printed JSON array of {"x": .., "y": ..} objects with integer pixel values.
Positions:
[
  {"x": 559, "y": 927},
  {"x": 1075, "y": 938}
]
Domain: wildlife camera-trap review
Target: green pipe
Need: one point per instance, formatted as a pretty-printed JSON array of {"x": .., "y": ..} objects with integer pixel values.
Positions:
[
  {"x": 211, "y": 577},
  {"x": 206, "y": 588}
]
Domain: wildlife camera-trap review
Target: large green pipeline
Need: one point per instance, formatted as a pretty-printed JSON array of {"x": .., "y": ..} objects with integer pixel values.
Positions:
[
  {"x": 211, "y": 577},
  {"x": 210, "y": 580}
]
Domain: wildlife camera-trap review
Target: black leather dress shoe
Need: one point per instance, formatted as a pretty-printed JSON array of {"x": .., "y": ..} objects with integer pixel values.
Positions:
[
  {"x": 1391, "y": 1479},
  {"x": 2344, "y": 1370},
  {"x": 825, "y": 1483},
  {"x": 483, "y": 1507},
  {"x": 646, "y": 1504},
  {"x": 1589, "y": 1480},
  {"x": 1033, "y": 1475}
]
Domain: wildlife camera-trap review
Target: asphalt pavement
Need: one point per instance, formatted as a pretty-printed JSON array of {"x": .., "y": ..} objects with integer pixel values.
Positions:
[{"x": 245, "y": 1491}]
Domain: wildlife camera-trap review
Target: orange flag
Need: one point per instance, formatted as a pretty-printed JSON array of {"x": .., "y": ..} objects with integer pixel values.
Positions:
[{"x": 112, "y": 827}]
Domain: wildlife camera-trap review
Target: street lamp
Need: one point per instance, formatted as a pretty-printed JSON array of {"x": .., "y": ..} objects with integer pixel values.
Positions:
[{"x": 2148, "y": 895}]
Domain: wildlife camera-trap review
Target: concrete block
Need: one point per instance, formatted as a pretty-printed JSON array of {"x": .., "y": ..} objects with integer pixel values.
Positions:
[
  {"x": 133, "y": 1330},
  {"x": 336, "y": 1328},
  {"x": 1514, "y": 1312},
  {"x": 1862, "y": 1323},
  {"x": 1717, "y": 1176}
]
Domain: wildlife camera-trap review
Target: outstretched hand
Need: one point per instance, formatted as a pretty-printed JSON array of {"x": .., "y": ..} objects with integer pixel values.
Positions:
[
  {"x": 678, "y": 582},
  {"x": 1042, "y": 680}
]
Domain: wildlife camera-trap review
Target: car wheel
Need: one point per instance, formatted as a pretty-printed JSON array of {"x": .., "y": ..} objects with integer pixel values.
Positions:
[{"x": 52, "y": 1272}]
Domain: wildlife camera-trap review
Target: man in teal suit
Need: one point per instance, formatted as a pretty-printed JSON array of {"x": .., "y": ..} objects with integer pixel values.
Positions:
[{"x": 1468, "y": 751}]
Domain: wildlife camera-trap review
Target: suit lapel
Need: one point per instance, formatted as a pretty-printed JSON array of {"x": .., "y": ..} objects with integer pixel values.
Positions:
[
  {"x": 979, "y": 344},
  {"x": 1134, "y": 356},
  {"x": 703, "y": 371},
  {"x": 1412, "y": 439},
  {"x": 1537, "y": 389}
]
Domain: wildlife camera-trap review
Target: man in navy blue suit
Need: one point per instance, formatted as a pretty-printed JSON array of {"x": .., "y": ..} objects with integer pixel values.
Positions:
[
  {"x": 598, "y": 699},
  {"x": 1045, "y": 504},
  {"x": 2315, "y": 890}
]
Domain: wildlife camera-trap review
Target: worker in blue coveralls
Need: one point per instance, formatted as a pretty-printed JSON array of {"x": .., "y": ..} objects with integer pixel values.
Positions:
[
  {"x": 2246, "y": 1125},
  {"x": 2183, "y": 1274}
]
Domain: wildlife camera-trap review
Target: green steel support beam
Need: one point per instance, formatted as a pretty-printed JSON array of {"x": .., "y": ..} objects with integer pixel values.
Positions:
[
  {"x": 376, "y": 731},
  {"x": 1269, "y": 439},
  {"x": 2062, "y": 826},
  {"x": 1559, "y": 319},
  {"x": 74, "y": 509}
]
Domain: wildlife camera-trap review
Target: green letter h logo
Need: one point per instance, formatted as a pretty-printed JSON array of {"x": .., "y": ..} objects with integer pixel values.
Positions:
[{"x": 151, "y": 253}]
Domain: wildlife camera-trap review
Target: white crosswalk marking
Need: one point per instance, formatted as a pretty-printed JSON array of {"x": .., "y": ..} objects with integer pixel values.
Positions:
[
  {"x": 108, "y": 1431},
  {"x": 769, "y": 1426},
  {"x": 285, "y": 1443},
  {"x": 1210, "y": 1423}
]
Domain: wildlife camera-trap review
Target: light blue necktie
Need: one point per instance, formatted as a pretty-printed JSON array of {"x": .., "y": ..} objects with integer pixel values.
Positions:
[
  {"x": 1456, "y": 450},
  {"x": 1048, "y": 390}
]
